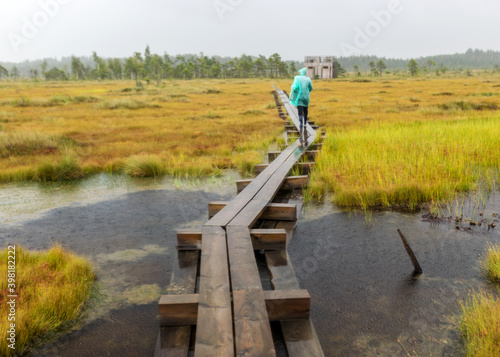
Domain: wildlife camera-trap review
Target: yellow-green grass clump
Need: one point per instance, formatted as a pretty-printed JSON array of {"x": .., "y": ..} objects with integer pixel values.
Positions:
[
  {"x": 491, "y": 264},
  {"x": 144, "y": 166},
  {"x": 480, "y": 324},
  {"x": 196, "y": 128},
  {"x": 480, "y": 315},
  {"x": 51, "y": 287},
  {"x": 407, "y": 164}
]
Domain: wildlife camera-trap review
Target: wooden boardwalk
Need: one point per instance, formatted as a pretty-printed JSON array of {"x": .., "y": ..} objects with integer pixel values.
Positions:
[{"x": 216, "y": 305}]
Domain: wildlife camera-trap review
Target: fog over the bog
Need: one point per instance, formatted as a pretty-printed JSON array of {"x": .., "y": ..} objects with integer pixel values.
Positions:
[{"x": 33, "y": 29}]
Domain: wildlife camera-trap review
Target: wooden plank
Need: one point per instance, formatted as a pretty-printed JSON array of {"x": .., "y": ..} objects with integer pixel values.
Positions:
[
  {"x": 310, "y": 155},
  {"x": 255, "y": 208},
  {"x": 243, "y": 267},
  {"x": 281, "y": 270},
  {"x": 290, "y": 183},
  {"x": 188, "y": 237},
  {"x": 222, "y": 218},
  {"x": 214, "y": 331},
  {"x": 174, "y": 341},
  {"x": 313, "y": 147},
  {"x": 280, "y": 305},
  {"x": 287, "y": 304},
  {"x": 305, "y": 167},
  {"x": 271, "y": 155},
  {"x": 178, "y": 310},
  {"x": 292, "y": 127},
  {"x": 267, "y": 239},
  {"x": 251, "y": 323},
  {"x": 275, "y": 211}
]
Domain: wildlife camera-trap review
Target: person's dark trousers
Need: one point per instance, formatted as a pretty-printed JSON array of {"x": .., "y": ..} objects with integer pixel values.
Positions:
[{"x": 303, "y": 111}]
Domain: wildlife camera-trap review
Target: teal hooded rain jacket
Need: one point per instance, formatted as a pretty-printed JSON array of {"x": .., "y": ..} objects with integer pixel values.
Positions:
[{"x": 301, "y": 89}]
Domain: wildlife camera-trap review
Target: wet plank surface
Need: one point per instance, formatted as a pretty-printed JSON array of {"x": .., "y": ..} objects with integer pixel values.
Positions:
[
  {"x": 251, "y": 323},
  {"x": 214, "y": 330}
]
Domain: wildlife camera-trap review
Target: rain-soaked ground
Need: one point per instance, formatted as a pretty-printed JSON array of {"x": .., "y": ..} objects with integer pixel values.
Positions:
[{"x": 365, "y": 300}]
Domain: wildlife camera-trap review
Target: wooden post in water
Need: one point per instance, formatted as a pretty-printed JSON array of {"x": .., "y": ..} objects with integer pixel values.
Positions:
[{"x": 418, "y": 269}]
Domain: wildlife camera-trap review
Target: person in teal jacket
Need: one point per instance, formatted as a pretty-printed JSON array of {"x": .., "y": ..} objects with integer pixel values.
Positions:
[{"x": 300, "y": 95}]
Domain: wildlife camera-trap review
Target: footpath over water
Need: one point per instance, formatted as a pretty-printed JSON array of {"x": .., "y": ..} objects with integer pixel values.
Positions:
[{"x": 216, "y": 304}]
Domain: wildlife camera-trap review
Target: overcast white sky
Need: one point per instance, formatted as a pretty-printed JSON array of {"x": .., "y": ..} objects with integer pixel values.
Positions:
[{"x": 31, "y": 29}]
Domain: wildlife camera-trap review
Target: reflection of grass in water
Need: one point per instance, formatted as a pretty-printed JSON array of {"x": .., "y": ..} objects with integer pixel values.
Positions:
[
  {"x": 132, "y": 255},
  {"x": 142, "y": 294},
  {"x": 51, "y": 286}
]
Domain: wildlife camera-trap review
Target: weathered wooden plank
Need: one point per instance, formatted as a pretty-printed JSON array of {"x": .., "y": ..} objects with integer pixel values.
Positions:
[
  {"x": 222, "y": 218},
  {"x": 304, "y": 167},
  {"x": 275, "y": 211},
  {"x": 188, "y": 237},
  {"x": 214, "y": 331},
  {"x": 251, "y": 323},
  {"x": 267, "y": 239},
  {"x": 263, "y": 240},
  {"x": 290, "y": 183},
  {"x": 292, "y": 127},
  {"x": 280, "y": 305},
  {"x": 313, "y": 147},
  {"x": 178, "y": 310},
  {"x": 253, "y": 335},
  {"x": 254, "y": 209},
  {"x": 281, "y": 270},
  {"x": 310, "y": 155},
  {"x": 174, "y": 341},
  {"x": 243, "y": 267},
  {"x": 287, "y": 304}
]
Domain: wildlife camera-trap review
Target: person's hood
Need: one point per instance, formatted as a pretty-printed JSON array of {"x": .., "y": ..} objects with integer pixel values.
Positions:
[{"x": 303, "y": 71}]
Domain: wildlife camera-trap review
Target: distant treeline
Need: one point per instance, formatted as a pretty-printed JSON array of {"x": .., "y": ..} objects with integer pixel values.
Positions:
[
  {"x": 149, "y": 67},
  {"x": 471, "y": 59}
]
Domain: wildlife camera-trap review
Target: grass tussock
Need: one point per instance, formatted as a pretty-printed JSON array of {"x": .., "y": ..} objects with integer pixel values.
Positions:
[
  {"x": 65, "y": 168},
  {"x": 464, "y": 105},
  {"x": 126, "y": 104},
  {"x": 145, "y": 166},
  {"x": 491, "y": 264},
  {"x": 27, "y": 143},
  {"x": 480, "y": 324},
  {"x": 253, "y": 112},
  {"x": 53, "y": 101},
  {"x": 51, "y": 286}
]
